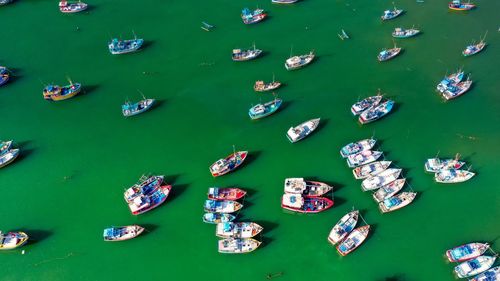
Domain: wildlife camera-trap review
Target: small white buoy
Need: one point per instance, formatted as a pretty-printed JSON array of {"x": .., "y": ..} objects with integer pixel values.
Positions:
[{"x": 22, "y": 253}]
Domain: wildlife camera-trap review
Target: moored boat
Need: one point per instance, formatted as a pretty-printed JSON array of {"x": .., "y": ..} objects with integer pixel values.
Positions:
[
  {"x": 387, "y": 54},
  {"x": 297, "y": 62},
  {"x": 466, "y": 251},
  {"x": 396, "y": 202},
  {"x": 8, "y": 157},
  {"x": 370, "y": 169},
  {"x": 364, "y": 157},
  {"x": 475, "y": 266},
  {"x": 474, "y": 49},
  {"x": 144, "y": 203},
  {"x": 451, "y": 79},
  {"x": 238, "y": 246},
  {"x": 457, "y": 5},
  {"x": 305, "y": 204},
  {"x": 226, "y": 206},
  {"x": 434, "y": 165},
  {"x": 5, "y": 146},
  {"x": 353, "y": 240},
  {"x": 377, "y": 112},
  {"x": 261, "y": 86},
  {"x": 228, "y": 164},
  {"x": 400, "y": 32},
  {"x": 73, "y": 7},
  {"x": 388, "y": 190},
  {"x": 366, "y": 103},
  {"x": 306, "y": 188},
  {"x": 380, "y": 179},
  {"x": 118, "y": 47},
  {"x": 57, "y": 93},
  {"x": 343, "y": 227},
  {"x": 122, "y": 233},
  {"x": 453, "y": 176},
  {"x": 215, "y": 218},
  {"x": 390, "y": 14},
  {"x": 284, "y": 1},
  {"x": 244, "y": 55},
  {"x": 492, "y": 274},
  {"x": 356, "y": 147},
  {"x": 4, "y": 75},
  {"x": 456, "y": 90},
  {"x": 229, "y": 193},
  {"x": 262, "y": 110},
  {"x": 145, "y": 186},
  {"x": 130, "y": 109},
  {"x": 12, "y": 240},
  {"x": 5, "y": 2},
  {"x": 237, "y": 229},
  {"x": 250, "y": 17},
  {"x": 301, "y": 131}
]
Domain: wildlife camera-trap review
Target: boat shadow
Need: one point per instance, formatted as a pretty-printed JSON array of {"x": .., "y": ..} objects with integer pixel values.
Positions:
[
  {"x": 265, "y": 241},
  {"x": 251, "y": 157},
  {"x": 396, "y": 277},
  {"x": 37, "y": 235},
  {"x": 177, "y": 190},
  {"x": 147, "y": 44},
  {"x": 285, "y": 105},
  {"x": 267, "y": 225},
  {"x": 148, "y": 228},
  {"x": 89, "y": 89},
  {"x": 338, "y": 201},
  {"x": 15, "y": 74},
  {"x": 250, "y": 192},
  {"x": 23, "y": 153},
  {"x": 171, "y": 179},
  {"x": 157, "y": 103}
]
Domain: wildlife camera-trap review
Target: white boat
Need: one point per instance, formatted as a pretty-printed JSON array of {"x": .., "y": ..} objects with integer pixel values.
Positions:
[
  {"x": 396, "y": 202},
  {"x": 353, "y": 240},
  {"x": 343, "y": 227},
  {"x": 492, "y": 274},
  {"x": 244, "y": 55},
  {"x": 8, "y": 157},
  {"x": 238, "y": 246},
  {"x": 380, "y": 179},
  {"x": 456, "y": 90},
  {"x": 370, "y": 169},
  {"x": 434, "y": 165},
  {"x": 356, "y": 147},
  {"x": 12, "y": 240},
  {"x": 475, "y": 266},
  {"x": 364, "y": 157},
  {"x": 301, "y": 131},
  {"x": 237, "y": 229},
  {"x": 453, "y": 176},
  {"x": 307, "y": 188},
  {"x": 388, "y": 190},
  {"x": 364, "y": 104},
  {"x": 297, "y": 62}
]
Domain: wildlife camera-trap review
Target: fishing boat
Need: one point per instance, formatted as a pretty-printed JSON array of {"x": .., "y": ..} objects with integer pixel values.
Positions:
[
  {"x": 343, "y": 227},
  {"x": 237, "y": 229},
  {"x": 262, "y": 110},
  {"x": 8, "y": 157},
  {"x": 58, "y": 93},
  {"x": 250, "y": 17},
  {"x": 5, "y": 2},
  {"x": 390, "y": 14},
  {"x": 466, "y": 251},
  {"x": 453, "y": 176},
  {"x": 4, "y": 75},
  {"x": 457, "y": 5},
  {"x": 144, "y": 203},
  {"x": 388, "y": 190},
  {"x": 305, "y": 204},
  {"x": 451, "y": 79},
  {"x": 12, "y": 240},
  {"x": 343, "y": 35},
  {"x": 5, "y": 146},
  {"x": 297, "y": 62},
  {"x": 396, "y": 202},
  {"x": 456, "y": 90},
  {"x": 146, "y": 186},
  {"x": 375, "y": 113},
  {"x": 387, "y": 54},
  {"x": 229, "y": 193},
  {"x": 380, "y": 179},
  {"x": 301, "y": 131},
  {"x": 119, "y": 47},
  {"x": 228, "y": 164},
  {"x": 122, "y": 233},
  {"x": 73, "y": 7},
  {"x": 244, "y": 55},
  {"x": 131, "y": 109},
  {"x": 238, "y": 246},
  {"x": 226, "y": 206},
  {"x": 215, "y": 218},
  {"x": 366, "y": 103},
  {"x": 306, "y": 188},
  {"x": 362, "y": 158},
  {"x": 474, "y": 48},
  {"x": 400, "y": 32},
  {"x": 353, "y": 240},
  {"x": 370, "y": 169},
  {"x": 357, "y": 147},
  {"x": 492, "y": 274},
  {"x": 260, "y": 86},
  {"x": 475, "y": 266},
  {"x": 434, "y": 165}
]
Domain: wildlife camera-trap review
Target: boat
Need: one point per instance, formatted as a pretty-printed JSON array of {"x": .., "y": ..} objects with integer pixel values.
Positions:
[
  {"x": 343, "y": 35},
  {"x": 122, "y": 233},
  {"x": 305, "y": 204},
  {"x": 228, "y": 164},
  {"x": 244, "y": 55},
  {"x": 466, "y": 252},
  {"x": 475, "y": 266},
  {"x": 146, "y": 186},
  {"x": 370, "y": 169},
  {"x": 250, "y": 17},
  {"x": 366, "y": 103},
  {"x": 343, "y": 227},
  {"x": 237, "y": 229},
  {"x": 400, "y": 32},
  {"x": 396, "y": 202},
  {"x": 119, "y": 47},
  {"x": 262, "y": 110},
  {"x": 434, "y": 165},
  {"x": 284, "y": 1},
  {"x": 73, "y": 7},
  {"x": 457, "y": 5},
  {"x": 12, "y": 240},
  {"x": 387, "y": 54},
  {"x": 238, "y": 246},
  {"x": 353, "y": 240},
  {"x": 492, "y": 274},
  {"x": 5, "y": 146},
  {"x": 364, "y": 157},
  {"x": 451, "y": 79},
  {"x": 390, "y": 14},
  {"x": 57, "y": 93},
  {"x": 226, "y": 206},
  {"x": 131, "y": 109},
  {"x": 206, "y": 26},
  {"x": 474, "y": 48},
  {"x": 4, "y": 75},
  {"x": 380, "y": 179},
  {"x": 297, "y": 62},
  {"x": 388, "y": 190},
  {"x": 453, "y": 176},
  {"x": 229, "y": 193},
  {"x": 144, "y": 203},
  {"x": 375, "y": 113},
  {"x": 357, "y": 147},
  {"x": 8, "y": 157},
  {"x": 5, "y": 2},
  {"x": 306, "y": 188},
  {"x": 456, "y": 90},
  {"x": 260, "y": 86},
  {"x": 301, "y": 131},
  {"x": 215, "y": 218}
]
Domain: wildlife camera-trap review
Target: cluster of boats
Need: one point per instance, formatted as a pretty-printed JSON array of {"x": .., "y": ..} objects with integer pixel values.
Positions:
[
  {"x": 7, "y": 153},
  {"x": 473, "y": 262},
  {"x": 371, "y": 108},
  {"x": 448, "y": 170},
  {"x": 453, "y": 85},
  {"x": 305, "y": 196},
  {"x": 346, "y": 235},
  {"x": 148, "y": 193},
  {"x": 262, "y": 110}
]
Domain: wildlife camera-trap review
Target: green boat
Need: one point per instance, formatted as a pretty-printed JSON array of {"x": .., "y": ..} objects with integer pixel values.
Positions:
[{"x": 263, "y": 110}]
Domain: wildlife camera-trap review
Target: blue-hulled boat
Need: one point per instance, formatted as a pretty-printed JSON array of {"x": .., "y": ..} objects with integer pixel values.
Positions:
[
  {"x": 250, "y": 17},
  {"x": 121, "y": 233},
  {"x": 492, "y": 274},
  {"x": 263, "y": 110},
  {"x": 4, "y": 75},
  {"x": 118, "y": 47},
  {"x": 389, "y": 15},
  {"x": 376, "y": 113},
  {"x": 130, "y": 109},
  {"x": 215, "y": 218},
  {"x": 227, "y": 206}
]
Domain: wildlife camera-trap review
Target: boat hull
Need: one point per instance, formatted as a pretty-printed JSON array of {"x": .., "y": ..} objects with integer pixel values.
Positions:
[{"x": 239, "y": 157}]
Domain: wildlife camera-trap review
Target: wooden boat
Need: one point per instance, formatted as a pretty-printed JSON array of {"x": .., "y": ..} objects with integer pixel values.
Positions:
[
  {"x": 226, "y": 206},
  {"x": 57, "y": 93},
  {"x": 453, "y": 176},
  {"x": 305, "y": 204},
  {"x": 131, "y": 109},
  {"x": 370, "y": 169},
  {"x": 144, "y": 203},
  {"x": 387, "y": 54},
  {"x": 456, "y": 90},
  {"x": 229, "y": 193},
  {"x": 237, "y": 229},
  {"x": 146, "y": 186},
  {"x": 457, "y": 5},
  {"x": 492, "y": 274},
  {"x": 4, "y": 75},
  {"x": 388, "y": 190},
  {"x": 390, "y": 14},
  {"x": 244, "y": 55},
  {"x": 8, "y": 157},
  {"x": 260, "y": 86},
  {"x": 228, "y": 164},
  {"x": 364, "y": 157},
  {"x": 375, "y": 113},
  {"x": 12, "y": 240},
  {"x": 250, "y": 17},
  {"x": 73, "y": 7},
  {"x": 474, "y": 49},
  {"x": 475, "y": 266},
  {"x": 306, "y": 188},
  {"x": 366, "y": 103},
  {"x": 215, "y": 218},
  {"x": 297, "y": 62},
  {"x": 238, "y": 246},
  {"x": 119, "y": 47},
  {"x": 122, "y": 233},
  {"x": 466, "y": 252},
  {"x": 262, "y": 110},
  {"x": 381, "y": 179},
  {"x": 353, "y": 240},
  {"x": 451, "y": 79},
  {"x": 400, "y": 32},
  {"x": 343, "y": 227},
  {"x": 396, "y": 202},
  {"x": 357, "y": 147},
  {"x": 5, "y": 146},
  {"x": 434, "y": 165},
  {"x": 303, "y": 130}
]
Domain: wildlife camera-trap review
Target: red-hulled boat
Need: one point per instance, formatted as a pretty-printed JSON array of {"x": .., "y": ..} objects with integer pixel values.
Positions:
[
  {"x": 230, "y": 193},
  {"x": 146, "y": 203},
  {"x": 459, "y": 6},
  {"x": 228, "y": 164},
  {"x": 305, "y": 204}
]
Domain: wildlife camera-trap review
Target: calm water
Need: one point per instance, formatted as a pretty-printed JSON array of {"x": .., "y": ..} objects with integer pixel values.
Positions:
[{"x": 79, "y": 155}]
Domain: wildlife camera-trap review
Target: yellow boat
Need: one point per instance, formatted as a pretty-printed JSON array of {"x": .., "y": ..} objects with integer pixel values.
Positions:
[
  {"x": 57, "y": 93},
  {"x": 12, "y": 240}
]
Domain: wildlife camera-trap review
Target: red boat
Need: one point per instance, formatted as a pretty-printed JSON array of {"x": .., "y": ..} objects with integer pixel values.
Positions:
[
  {"x": 230, "y": 193},
  {"x": 146, "y": 203},
  {"x": 305, "y": 204},
  {"x": 228, "y": 164},
  {"x": 458, "y": 6}
]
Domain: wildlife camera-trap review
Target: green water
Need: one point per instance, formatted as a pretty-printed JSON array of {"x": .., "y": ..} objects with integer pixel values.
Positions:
[{"x": 79, "y": 155}]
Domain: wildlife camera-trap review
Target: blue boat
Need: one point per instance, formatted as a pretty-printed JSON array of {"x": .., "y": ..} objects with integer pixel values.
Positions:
[
  {"x": 130, "y": 109},
  {"x": 492, "y": 274},
  {"x": 145, "y": 186},
  {"x": 263, "y": 110},
  {"x": 376, "y": 113},
  {"x": 216, "y": 218},
  {"x": 118, "y": 47},
  {"x": 250, "y": 17},
  {"x": 4, "y": 75},
  {"x": 226, "y": 207}
]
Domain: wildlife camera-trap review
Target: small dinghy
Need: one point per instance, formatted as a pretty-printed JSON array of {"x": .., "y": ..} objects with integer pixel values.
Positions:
[
  {"x": 244, "y": 55},
  {"x": 5, "y": 146},
  {"x": 119, "y": 47},
  {"x": 145, "y": 186},
  {"x": 366, "y": 103},
  {"x": 297, "y": 62},
  {"x": 353, "y": 240},
  {"x": 492, "y": 274},
  {"x": 434, "y": 165},
  {"x": 456, "y": 90},
  {"x": 400, "y": 32},
  {"x": 237, "y": 229},
  {"x": 356, "y": 147},
  {"x": 451, "y": 79},
  {"x": 228, "y": 164},
  {"x": 4, "y": 75},
  {"x": 215, "y": 218},
  {"x": 306, "y": 188},
  {"x": 453, "y": 176},
  {"x": 457, "y": 5},
  {"x": 376, "y": 112},
  {"x": 261, "y": 86},
  {"x": 263, "y": 110},
  {"x": 229, "y": 193},
  {"x": 364, "y": 157},
  {"x": 396, "y": 202},
  {"x": 343, "y": 227},
  {"x": 475, "y": 266},
  {"x": 12, "y": 240},
  {"x": 250, "y": 17},
  {"x": 73, "y": 7},
  {"x": 122, "y": 233},
  {"x": 387, "y": 54},
  {"x": 388, "y": 190},
  {"x": 8, "y": 157},
  {"x": 466, "y": 252},
  {"x": 131, "y": 109},
  {"x": 370, "y": 170},
  {"x": 301, "y": 131},
  {"x": 389, "y": 15},
  {"x": 145, "y": 203},
  {"x": 226, "y": 207},
  {"x": 238, "y": 246},
  {"x": 380, "y": 179},
  {"x": 57, "y": 93},
  {"x": 305, "y": 204}
]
